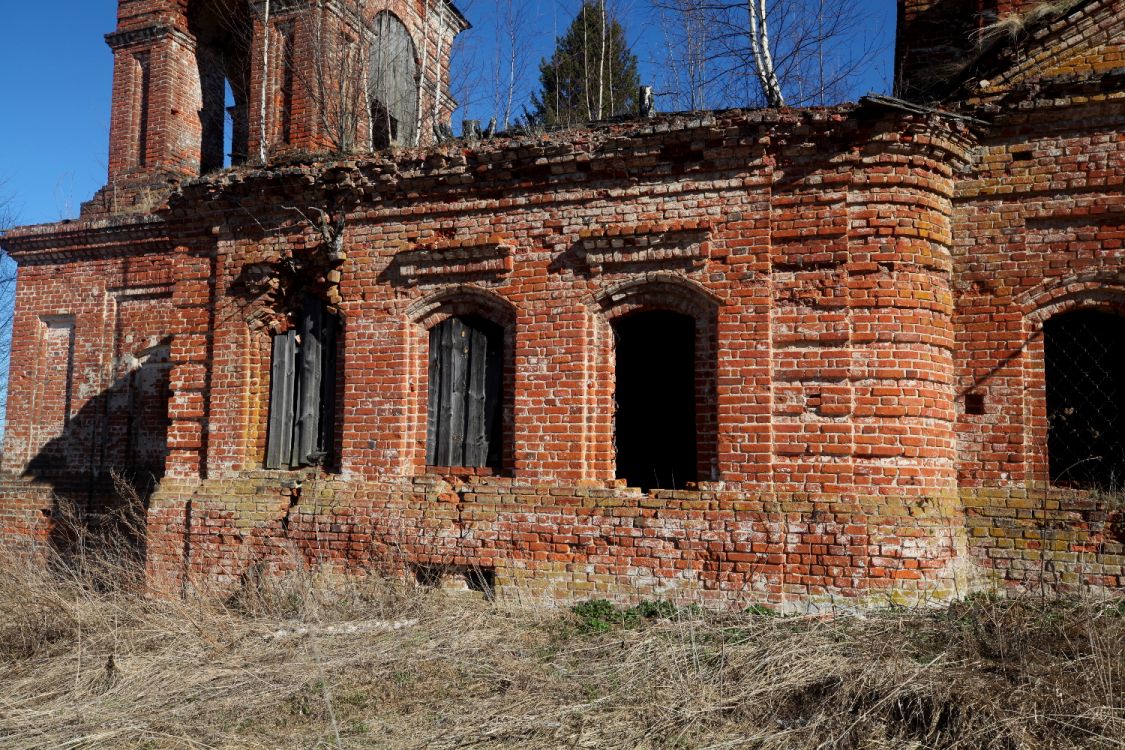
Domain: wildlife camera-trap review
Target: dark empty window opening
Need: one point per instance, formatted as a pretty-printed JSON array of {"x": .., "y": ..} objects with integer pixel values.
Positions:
[
  {"x": 223, "y": 30},
  {"x": 144, "y": 80},
  {"x": 466, "y": 363},
  {"x": 974, "y": 404},
  {"x": 225, "y": 132},
  {"x": 1084, "y": 353},
  {"x": 655, "y": 427},
  {"x": 303, "y": 390},
  {"x": 384, "y": 126}
]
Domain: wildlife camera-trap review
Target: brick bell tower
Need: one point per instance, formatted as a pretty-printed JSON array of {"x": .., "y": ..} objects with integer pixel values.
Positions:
[{"x": 199, "y": 85}]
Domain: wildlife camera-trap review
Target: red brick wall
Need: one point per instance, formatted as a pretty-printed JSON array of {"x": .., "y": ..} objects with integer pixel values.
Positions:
[
  {"x": 853, "y": 273},
  {"x": 820, "y": 280},
  {"x": 1040, "y": 231},
  {"x": 81, "y": 319}
]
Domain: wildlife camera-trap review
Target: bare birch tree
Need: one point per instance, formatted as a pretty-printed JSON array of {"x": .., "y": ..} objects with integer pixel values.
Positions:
[
  {"x": 512, "y": 51},
  {"x": 688, "y": 41},
  {"x": 336, "y": 80},
  {"x": 797, "y": 52}
]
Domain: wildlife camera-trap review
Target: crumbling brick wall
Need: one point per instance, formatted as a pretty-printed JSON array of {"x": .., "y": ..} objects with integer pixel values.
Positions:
[
  {"x": 864, "y": 288},
  {"x": 820, "y": 280},
  {"x": 1040, "y": 231}
]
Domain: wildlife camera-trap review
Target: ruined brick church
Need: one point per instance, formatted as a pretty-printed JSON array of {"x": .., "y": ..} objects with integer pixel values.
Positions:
[{"x": 856, "y": 354}]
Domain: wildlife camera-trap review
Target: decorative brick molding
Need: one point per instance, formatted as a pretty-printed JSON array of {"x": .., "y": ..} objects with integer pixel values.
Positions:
[
  {"x": 449, "y": 260},
  {"x": 655, "y": 245}
]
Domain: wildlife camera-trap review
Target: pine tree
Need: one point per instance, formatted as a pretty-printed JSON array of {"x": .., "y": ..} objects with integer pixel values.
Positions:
[{"x": 591, "y": 75}]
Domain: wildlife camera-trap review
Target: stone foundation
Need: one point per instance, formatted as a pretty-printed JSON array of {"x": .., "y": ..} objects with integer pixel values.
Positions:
[{"x": 568, "y": 543}]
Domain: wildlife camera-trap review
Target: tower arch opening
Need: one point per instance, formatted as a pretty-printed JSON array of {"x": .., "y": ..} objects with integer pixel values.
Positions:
[{"x": 223, "y": 31}]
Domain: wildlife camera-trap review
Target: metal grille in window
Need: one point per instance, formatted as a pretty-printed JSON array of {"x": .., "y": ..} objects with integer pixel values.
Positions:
[
  {"x": 303, "y": 390},
  {"x": 1085, "y": 369}
]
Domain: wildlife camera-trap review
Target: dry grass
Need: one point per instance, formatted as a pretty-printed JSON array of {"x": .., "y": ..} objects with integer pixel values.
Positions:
[
  {"x": 307, "y": 663},
  {"x": 1011, "y": 25}
]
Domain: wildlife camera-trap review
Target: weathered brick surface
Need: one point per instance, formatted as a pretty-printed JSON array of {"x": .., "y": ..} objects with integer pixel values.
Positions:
[
  {"x": 560, "y": 541},
  {"x": 853, "y": 273}
]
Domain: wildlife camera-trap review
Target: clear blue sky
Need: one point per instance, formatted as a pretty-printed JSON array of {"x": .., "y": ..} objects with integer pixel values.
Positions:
[
  {"x": 57, "y": 71},
  {"x": 54, "y": 115}
]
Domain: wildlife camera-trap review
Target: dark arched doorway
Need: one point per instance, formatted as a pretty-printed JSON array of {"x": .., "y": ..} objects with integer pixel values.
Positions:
[{"x": 655, "y": 394}]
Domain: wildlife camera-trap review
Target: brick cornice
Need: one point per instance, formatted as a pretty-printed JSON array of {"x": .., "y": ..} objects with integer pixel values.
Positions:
[
  {"x": 145, "y": 35},
  {"x": 639, "y": 150},
  {"x": 44, "y": 243}
]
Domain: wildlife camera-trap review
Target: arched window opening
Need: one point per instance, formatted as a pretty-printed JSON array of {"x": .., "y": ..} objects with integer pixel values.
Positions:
[
  {"x": 1084, "y": 358},
  {"x": 655, "y": 394},
  {"x": 223, "y": 32},
  {"x": 142, "y": 97},
  {"x": 302, "y": 418},
  {"x": 465, "y": 407},
  {"x": 393, "y": 84}
]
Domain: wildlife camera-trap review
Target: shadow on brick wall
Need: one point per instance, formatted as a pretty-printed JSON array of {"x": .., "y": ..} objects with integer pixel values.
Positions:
[{"x": 107, "y": 459}]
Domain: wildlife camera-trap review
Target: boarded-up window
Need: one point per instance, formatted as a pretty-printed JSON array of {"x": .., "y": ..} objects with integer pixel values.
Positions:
[
  {"x": 1085, "y": 369},
  {"x": 393, "y": 84},
  {"x": 465, "y": 393},
  {"x": 303, "y": 390}
]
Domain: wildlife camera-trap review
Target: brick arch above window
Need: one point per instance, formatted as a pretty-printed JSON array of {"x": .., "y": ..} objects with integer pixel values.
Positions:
[
  {"x": 659, "y": 291},
  {"x": 466, "y": 341},
  {"x": 1098, "y": 291},
  {"x": 1097, "y": 288},
  {"x": 461, "y": 300},
  {"x": 617, "y": 306}
]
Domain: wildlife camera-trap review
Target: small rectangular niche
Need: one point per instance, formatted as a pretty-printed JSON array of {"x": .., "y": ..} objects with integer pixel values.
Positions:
[
  {"x": 974, "y": 404},
  {"x": 57, "y": 376}
]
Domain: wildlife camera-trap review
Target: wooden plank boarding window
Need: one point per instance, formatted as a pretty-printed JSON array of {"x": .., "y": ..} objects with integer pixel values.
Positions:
[
  {"x": 393, "y": 84},
  {"x": 303, "y": 390},
  {"x": 465, "y": 393}
]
